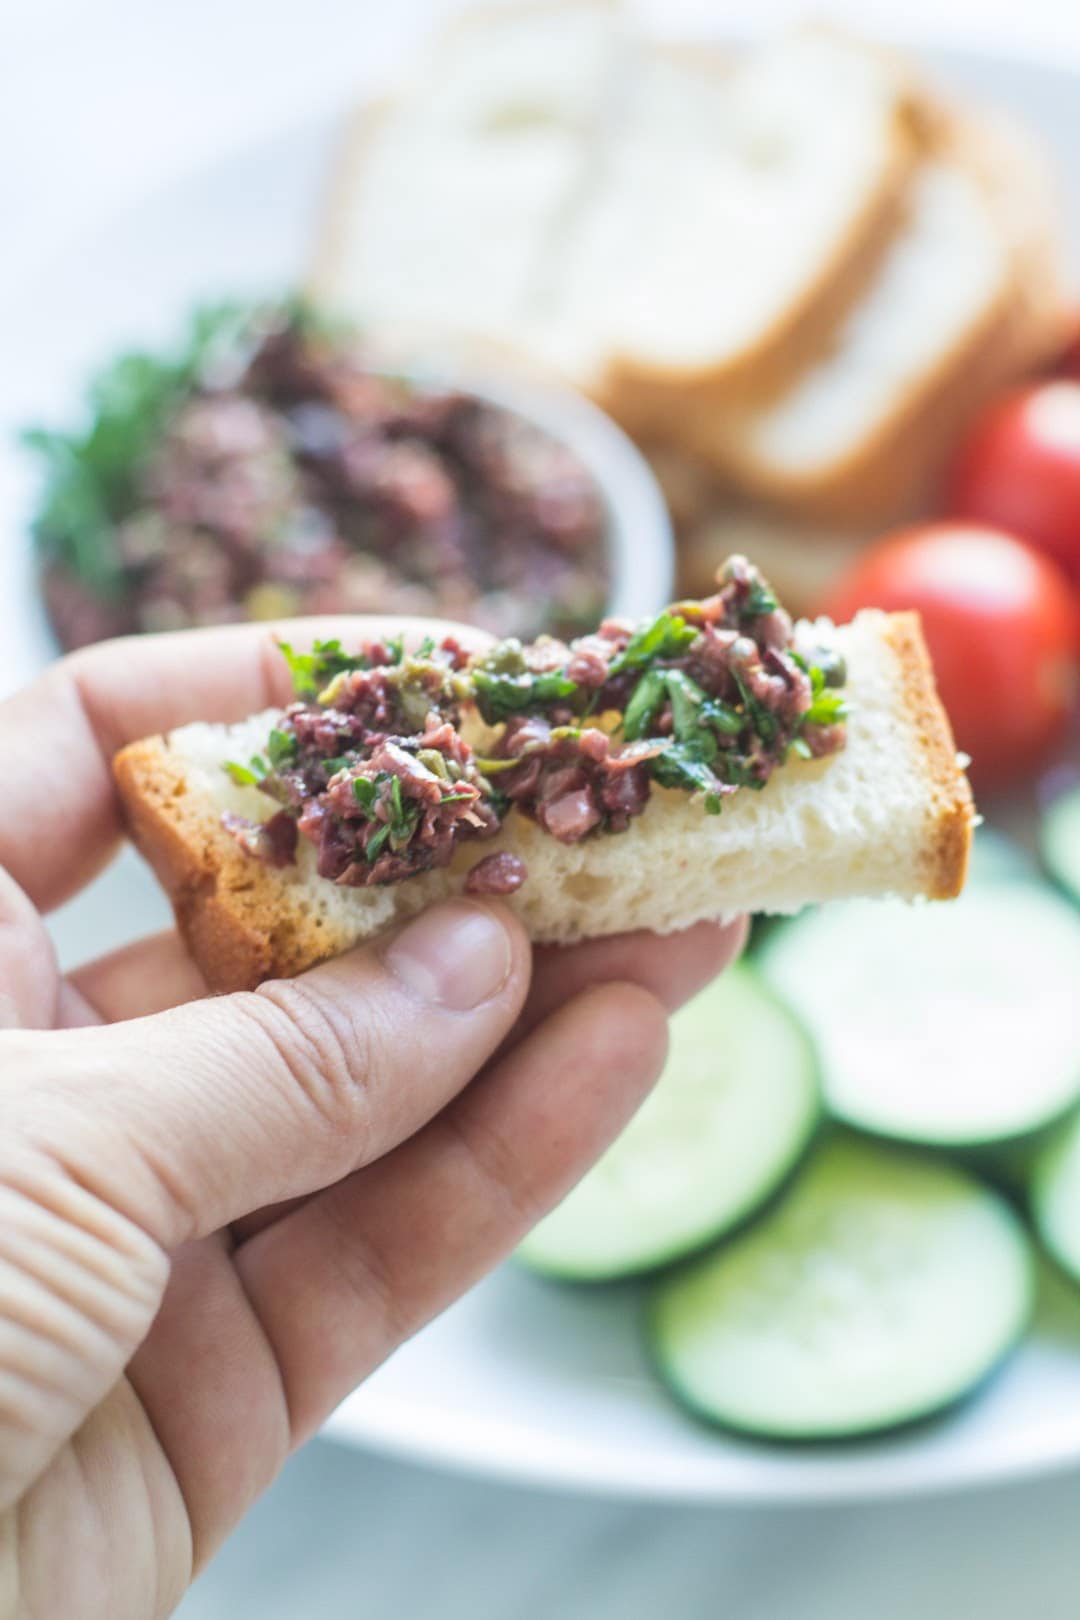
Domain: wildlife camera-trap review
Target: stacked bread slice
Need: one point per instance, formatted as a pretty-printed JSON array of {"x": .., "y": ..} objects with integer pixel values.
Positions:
[{"x": 793, "y": 262}]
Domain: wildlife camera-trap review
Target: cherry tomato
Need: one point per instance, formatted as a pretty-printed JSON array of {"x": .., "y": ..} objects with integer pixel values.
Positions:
[
  {"x": 1019, "y": 469},
  {"x": 1001, "y": 623},
  {"x": 1069, "y": 362}
]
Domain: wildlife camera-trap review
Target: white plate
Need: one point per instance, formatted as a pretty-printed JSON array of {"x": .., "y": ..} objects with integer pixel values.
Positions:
[{"x": 520, "y": 1379}]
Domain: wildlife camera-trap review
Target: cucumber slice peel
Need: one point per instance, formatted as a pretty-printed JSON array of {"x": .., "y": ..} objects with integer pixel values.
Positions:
[
  {"x": 733, "y": 1111},
  {"x": 950, "y": 1025},
  {"x": 881, "y": 1289},
  {"x": 1055, "y": 1197}
]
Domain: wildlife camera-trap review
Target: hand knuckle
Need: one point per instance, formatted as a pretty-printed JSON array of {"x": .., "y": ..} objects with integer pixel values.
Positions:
[{"x": 327, "y": 1050}]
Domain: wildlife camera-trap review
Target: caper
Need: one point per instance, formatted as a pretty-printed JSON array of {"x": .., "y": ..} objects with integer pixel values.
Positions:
[
  {"x": 434, "y": 762},
  {"x": 832, "y": 665}
]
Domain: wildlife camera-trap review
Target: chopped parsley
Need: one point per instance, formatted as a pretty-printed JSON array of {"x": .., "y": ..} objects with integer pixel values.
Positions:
[
  {"x": 827, "y": 706},
  {"x": 253, "y": 774},
  {"x": 682, "y": 766},
  {"x": 311, "y": 671},
  {"x": 499, "y": 694},
  {"x": 668, "y": 636},
  {"x": 92, "y": 477},
  {"x": 760, "y": 599},
  {"x": 375, "y": 844},
  {"x": 365, "y": 792}
]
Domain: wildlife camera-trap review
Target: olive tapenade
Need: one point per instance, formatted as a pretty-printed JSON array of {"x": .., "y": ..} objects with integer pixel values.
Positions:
[
  {"x": 371, "y": 763},
  {"x": 272, "y": 471}
]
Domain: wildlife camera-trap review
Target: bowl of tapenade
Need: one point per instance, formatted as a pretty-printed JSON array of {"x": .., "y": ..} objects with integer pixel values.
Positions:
[{"x": 276, "y": 466}]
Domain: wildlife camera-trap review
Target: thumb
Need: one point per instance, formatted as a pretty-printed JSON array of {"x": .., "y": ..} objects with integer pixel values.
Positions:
[{"x": 184, "y": 1121}]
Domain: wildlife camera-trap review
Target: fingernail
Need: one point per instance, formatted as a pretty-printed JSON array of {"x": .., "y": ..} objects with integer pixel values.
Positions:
[{"x": 456, "y": 955}]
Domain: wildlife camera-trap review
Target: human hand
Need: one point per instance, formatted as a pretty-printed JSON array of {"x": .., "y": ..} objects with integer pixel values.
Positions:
[{"x": 218, "y": 1215}]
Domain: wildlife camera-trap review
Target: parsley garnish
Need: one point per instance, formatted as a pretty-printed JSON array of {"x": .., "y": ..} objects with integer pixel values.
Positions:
[
  {"x": 365, "y": 793},
  {"x": 251, "y": 775},
  {"x": 499, "y": 695},
  {"x": 681, "y": 766},
  {"x": 759, "y": 599},
  {"x": 377, "y": 840},
  {"x": 645, "y": 704},
  {"x": 93, "y": 478},
  {"x": 312, "y": 670},
  {"x": 281, "y": 748},
  {"x": 666, "y": 637},
  {"x": 827, "y": 706}
]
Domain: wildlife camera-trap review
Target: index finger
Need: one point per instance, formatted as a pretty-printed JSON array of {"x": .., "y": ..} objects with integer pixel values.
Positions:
[{"x": 59, "y": 815}]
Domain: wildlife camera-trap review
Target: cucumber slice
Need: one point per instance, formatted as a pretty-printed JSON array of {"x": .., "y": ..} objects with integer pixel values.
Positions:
[
  {"x": 732, "y": 1112},
  {"x": 881, "y": 1289},
  {"x": 1059, "y": 838},
  {"x": 1055, "y": 1196},
  {"x": 949, "y": 1024},
  {"x": 998, "y": 858}
]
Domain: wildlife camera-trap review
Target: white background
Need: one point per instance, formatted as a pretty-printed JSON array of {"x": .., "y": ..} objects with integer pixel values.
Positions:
[{"x": 101, "y": 101}]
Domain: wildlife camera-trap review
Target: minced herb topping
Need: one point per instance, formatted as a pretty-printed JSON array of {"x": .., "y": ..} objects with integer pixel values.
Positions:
[{"x": 371, "y": 765}]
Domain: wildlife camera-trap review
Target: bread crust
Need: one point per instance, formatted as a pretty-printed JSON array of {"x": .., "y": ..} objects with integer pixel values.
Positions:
[
  {"x": 895, "y": 468},
  {"x": 642, "y": 396},
  {"x": 231, "y": 910},
  {"x": 950, "y": 807}
]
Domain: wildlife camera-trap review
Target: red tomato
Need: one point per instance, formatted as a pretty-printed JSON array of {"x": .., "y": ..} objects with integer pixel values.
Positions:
[
  {"x": 1019, "y": 469},
  {"x": 1069, "y": 363},
  {"x": 1001, "y": 624}
]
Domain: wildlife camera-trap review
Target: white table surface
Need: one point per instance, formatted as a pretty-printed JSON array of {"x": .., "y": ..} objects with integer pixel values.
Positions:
[{"x": 101, "y": 101}]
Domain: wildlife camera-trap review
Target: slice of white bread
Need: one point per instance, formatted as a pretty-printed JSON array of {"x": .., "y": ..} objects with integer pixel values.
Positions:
[
  {"x": 741, "y": 213},
  {"x": 448, "y": 195},
  {"x": 552, "y": 189},
  {"x": 969, "y": 296},
  {"x": 891, "y": 814}
]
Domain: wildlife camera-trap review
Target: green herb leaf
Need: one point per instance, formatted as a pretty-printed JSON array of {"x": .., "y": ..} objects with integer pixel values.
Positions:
[
  {"x": 377, "y": 841},
  {"x": 681, "y": 766},
  {"x": 243, "y": 775},
  {"x": 93, "y": 478},
  {"x": 666, "y": 637},
  {"x": 719, "y": 717},
  {"x": 395, "y": 646},
  {"x": 426, "y": 647},
  {"x": 759, "y": 599},
  {"x": 713, "y": 804},
  {"x": 281, "y": 748},
  {"x": 687, "y": 704},
  {"x": 827, "y": 706},
  {"x": 365, "y": 793},
  {"x": 311, "y": 671},
  {"x": 760, "y": 718},
  {"x": 645, "y": 703},
  {"x": 500, "y": 695}
]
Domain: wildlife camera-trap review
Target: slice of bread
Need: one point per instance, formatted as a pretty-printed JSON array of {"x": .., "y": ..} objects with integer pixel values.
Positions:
[
  {"x": 969, "y": 296},
  {"x": 447, "y": 195},
  {"x": 618, "y": 214},
  {"x": 742, "y": 214},
  {"x": 891, "y": 814}
]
